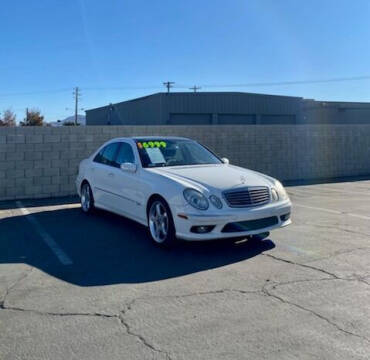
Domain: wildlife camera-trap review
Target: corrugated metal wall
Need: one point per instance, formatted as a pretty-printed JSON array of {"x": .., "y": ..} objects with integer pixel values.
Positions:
[
  {"x": 227, "y": 108},
  {"x": 243, "y": 119},
  {"x": 198, "y": 108},
  {"x": 222, "y": 104},
  {"x": 321, "y": 112},
  {"x": 190, "y": 119}
]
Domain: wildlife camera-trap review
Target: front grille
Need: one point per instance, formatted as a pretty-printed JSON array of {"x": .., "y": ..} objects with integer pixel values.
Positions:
[{"x": 244, "y": 197}]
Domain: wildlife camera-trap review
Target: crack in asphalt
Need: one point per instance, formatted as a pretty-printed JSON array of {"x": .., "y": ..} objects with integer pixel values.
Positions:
[
  {"x": 276, "y": 284},
  {"x": 121, "y": 315},
  {"x": 333, "y": 277},
  {"x": 361, "y": 279},
  {"x": 120, "y": 319},
  {"x": 61, "y": 314},
  {"x": 264, "y": 291},
  {"x": 300, "y": 264},
  {"x": 15, "y": 283},
  {"x": 284, "y": 301},
  {"x": 141, "y": 338},
  {"x": 200, "y": 293}
]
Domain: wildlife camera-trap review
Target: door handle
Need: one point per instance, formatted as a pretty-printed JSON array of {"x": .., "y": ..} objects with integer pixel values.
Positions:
[{"x": 110, "y": 174}]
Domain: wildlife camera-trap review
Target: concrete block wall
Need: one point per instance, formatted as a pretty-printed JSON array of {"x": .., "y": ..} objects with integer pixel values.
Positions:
[{"x": 37, "y": 162}]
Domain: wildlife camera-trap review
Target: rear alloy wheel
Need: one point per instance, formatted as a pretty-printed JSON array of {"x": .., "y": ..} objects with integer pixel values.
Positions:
[
  {"x": 87, "y": 199},
  {"x": 161, "y": 228}
]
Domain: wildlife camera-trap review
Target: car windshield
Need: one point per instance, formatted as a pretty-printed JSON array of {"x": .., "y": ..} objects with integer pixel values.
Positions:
[{"x": 165, "y": 152}]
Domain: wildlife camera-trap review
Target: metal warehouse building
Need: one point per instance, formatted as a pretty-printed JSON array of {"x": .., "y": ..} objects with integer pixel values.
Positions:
[
  {"x": 334, "y": 112},
  {"x": 203, "y": 108},
  {"x": 180, "y": 108}
]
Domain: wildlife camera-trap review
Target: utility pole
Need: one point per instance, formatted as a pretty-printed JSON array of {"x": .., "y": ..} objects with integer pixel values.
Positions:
[
  {"x": 168, "y": 85},
  {"x": 27, "y": 117},
  {"x": 195, "y": 88},
  {"x": 76, "y": 93}
]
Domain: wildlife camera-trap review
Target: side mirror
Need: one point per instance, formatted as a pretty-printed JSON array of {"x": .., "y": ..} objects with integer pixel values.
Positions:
[
  {"x": 225, "y": 160},
  {"x": 129, "y": 167}
]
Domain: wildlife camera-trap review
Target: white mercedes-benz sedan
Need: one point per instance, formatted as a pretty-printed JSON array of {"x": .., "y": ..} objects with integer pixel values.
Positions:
[{"x": 180, "y": 189}]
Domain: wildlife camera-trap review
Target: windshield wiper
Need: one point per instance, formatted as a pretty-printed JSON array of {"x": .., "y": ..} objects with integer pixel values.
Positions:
[{"x": 157, "y": 165}]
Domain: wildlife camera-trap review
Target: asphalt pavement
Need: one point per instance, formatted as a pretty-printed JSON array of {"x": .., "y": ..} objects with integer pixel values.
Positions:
[{"x": 76, "y": 286}]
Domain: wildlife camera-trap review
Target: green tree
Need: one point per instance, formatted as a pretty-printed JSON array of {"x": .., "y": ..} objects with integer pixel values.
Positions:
[
  {"x": 33, "y": 118},
  {"x": 8, "y": 118}
]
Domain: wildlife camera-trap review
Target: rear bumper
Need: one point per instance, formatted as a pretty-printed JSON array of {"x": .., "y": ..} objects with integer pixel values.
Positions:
[{"x": 221, "y": 219}]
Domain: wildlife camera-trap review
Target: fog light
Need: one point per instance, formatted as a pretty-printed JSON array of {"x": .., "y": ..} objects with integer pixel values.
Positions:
[
  {"x": 285, "y": 217},
  {"x": 202, "y": 229}
]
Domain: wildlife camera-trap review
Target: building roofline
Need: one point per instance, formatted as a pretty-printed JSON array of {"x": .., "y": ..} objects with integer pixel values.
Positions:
[
  {"x": 341, "y": 102},
  {"x": 200, "y": 93}
]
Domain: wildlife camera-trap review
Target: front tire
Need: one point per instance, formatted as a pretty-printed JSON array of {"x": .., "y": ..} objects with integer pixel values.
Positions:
[
  {"x": 160, "y": 224},
  {"x": 87, "y": 198}
]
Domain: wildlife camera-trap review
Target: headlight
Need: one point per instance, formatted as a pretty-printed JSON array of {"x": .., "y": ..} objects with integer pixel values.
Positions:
[
  {"x": 215, "y": 201},
  {"x": 279, "y": 189},
  {"x": 196, "y": 199},
  {"x": 274, "y": 193}
]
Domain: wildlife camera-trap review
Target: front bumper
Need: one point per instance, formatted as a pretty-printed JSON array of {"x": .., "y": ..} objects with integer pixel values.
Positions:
[
  {"x": 225, "y": 216},
  {"x": 78, "y": 185}
]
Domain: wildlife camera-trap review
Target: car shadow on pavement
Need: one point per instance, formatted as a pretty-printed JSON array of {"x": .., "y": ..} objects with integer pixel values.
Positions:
[{"x": 108, "y": 249}]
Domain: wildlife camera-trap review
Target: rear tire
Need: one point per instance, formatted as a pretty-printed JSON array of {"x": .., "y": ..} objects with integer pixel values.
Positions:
[
  {"x": 161, "y": 227},
  {"x": 87, "y": 198}
]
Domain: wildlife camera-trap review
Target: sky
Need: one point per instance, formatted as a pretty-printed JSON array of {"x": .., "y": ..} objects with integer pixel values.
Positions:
[{"x": 115, "y": 50}]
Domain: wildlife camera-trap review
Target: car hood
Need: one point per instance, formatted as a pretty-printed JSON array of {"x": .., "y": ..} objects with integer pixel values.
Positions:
[{"x": 221, "y": 177}]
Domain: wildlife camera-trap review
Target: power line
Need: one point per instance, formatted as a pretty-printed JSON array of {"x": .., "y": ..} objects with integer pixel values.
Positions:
[
  {"x": 56, "y": 91},
  {"x": 170, "y": 84},
  {"x": 53, "y": 91},
  {"x": 121, "y": 88},
  {"x": 298, "y": 82}
]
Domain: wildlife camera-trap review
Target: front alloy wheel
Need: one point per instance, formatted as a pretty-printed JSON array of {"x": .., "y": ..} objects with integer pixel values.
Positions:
[
  {"x": 87, "y": 200},
  {"x": 160, "y": 221}
]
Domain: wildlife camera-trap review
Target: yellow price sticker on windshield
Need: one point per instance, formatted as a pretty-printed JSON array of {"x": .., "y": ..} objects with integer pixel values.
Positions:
[{"x": 152, "y": 144}]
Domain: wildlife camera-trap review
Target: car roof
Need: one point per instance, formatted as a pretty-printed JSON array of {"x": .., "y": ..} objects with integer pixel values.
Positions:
[
  {"x": 160, "y": 137},
  {"x": 135, "y": 138}
]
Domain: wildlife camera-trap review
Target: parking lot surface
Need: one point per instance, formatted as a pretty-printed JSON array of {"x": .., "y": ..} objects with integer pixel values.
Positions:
[{"x": 75, "y": 286}]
